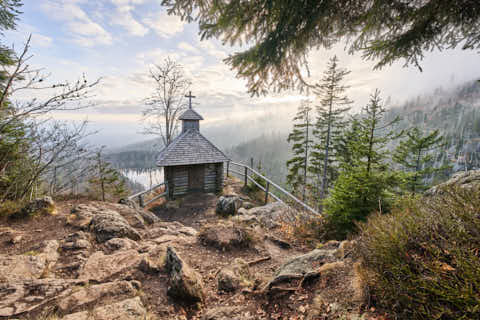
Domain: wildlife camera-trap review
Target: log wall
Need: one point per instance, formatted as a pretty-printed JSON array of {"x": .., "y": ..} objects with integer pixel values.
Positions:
[{"x": 178, "y": 183}]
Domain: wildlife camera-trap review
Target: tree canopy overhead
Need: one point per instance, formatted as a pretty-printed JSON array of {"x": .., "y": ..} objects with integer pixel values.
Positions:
[{"x": 279, "y": 33}]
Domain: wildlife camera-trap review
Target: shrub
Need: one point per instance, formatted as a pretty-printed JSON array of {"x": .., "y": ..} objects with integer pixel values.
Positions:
[
  {"x": 9, "y": 207},
  {"x": 422, "y": 261},
  {"x": 355, "y": 195}
]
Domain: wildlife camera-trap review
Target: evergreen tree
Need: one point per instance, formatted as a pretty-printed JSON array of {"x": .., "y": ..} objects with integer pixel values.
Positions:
[
  {"x": 414, "y": 154},
  {"x": 277, "y": 34},
  {"x": 298, "y": 166},
  {"x": 105, "y": 180},
  {"x": 330, "y": 122},
  {"x": 364, "y": 183}
]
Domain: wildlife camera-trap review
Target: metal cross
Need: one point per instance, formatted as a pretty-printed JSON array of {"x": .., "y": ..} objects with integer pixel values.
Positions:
[{"x": 189, "y": 96}]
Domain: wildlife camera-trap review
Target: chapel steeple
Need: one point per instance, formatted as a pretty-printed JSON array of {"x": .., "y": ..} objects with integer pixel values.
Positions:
[{"x": 190, "y": 118}]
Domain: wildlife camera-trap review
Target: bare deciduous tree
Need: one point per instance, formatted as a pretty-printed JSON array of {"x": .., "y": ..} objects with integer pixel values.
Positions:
[
  {"x": 167, "y": 102},
  {"x": 32, "y": 144}
]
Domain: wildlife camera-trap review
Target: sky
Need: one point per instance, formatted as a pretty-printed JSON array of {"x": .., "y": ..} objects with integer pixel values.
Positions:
[{"x": 120, "y": 40}]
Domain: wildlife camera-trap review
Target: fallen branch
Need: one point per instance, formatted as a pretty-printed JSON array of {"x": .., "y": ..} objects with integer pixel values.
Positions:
[{"x": 254, "y": 262}]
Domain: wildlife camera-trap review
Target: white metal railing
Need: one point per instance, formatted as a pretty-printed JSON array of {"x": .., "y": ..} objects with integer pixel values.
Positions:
[{"x": 268, "y": 183}]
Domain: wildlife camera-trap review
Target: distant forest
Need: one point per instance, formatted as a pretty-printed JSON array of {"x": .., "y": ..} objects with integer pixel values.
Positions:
[{"x": 455, "y": 112}]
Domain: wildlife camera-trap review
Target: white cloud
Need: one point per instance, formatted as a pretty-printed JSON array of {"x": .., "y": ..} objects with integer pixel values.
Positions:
[
  {"x": 41, "y": 40},
  {"x": 84, "y": 31},
  {"x": 210, "y": 48},
  {"x": 187, "y": 47},
  {"x": 123, "y": 17},
  {"x": 163, "y": 24}
]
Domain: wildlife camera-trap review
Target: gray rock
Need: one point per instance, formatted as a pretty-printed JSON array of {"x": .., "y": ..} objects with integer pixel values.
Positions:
[
  {"x": 469, "y": 180},
  {"x": 225, "y": 236},
  {"x": 185, "y": 284},
  {"x": 77, "y": 241},
  {"x": 33, "y": 264},
  {"x": 271, "y": 214},
  {"x": 228, "y": 205},
  {"x": 235, "y": 276},
  {"x": 154, "y": 261},
  {"x": 100, "y": 267},
  {"x": 129, "y": 309},
  {"x": 226, "y": 313},
  {"x": 94, "y": 293},
  {"x": 302, "y": 265},
  {"x": 117, "y": 244},
  {"x": 22, "y": 296},
  {"x": 108, "y": 224},
  {"x": 245, "y": 218}
]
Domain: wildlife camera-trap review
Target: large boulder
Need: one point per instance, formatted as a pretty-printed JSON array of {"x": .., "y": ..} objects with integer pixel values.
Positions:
[
  {"x": 185, "y": 284},
  {"x": 108, "y": 224},
  {"x": 104, "y": 222},
  {"x": 235, "y": 276},
  {"x": 225, "y": 236},
  {"x": 228, "y": 205},
  {"x": 88, "y": 295},
  {"x": 22, "y": 296},
  {"x": 129, "y": 309},
  {"x": 272, "y": 214},
  {"x": 100, "y": 267},
  {"x": 302, "y": 266}
]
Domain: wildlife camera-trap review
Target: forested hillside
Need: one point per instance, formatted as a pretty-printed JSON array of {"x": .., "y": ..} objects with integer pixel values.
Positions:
[{"x": 455, "y": 113}]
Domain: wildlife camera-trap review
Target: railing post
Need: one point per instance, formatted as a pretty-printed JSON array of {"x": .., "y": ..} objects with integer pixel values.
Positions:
[
  {"x": 140, "y": 200},
  {"x": 246, "y": 175},
  {"x": 266, "y": 192}
]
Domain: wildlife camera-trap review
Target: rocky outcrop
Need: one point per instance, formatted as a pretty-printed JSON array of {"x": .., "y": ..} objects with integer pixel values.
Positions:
[
  {"x": 225, "y": 236},
  {"x": 235, "y": 276},
  {"x": 105, "y": 223},
  {"x": 129, "y": 309},
  {"x": 85, "y": 296},
  {"x": 33, "y": 264},
  {"x": 185, "y": 284},
  {"x": 469, "y": 180},
  {"x": 19, "y": 296},
  {"x": 100, "y": 267},
  {"x": 228, "y": 205}
]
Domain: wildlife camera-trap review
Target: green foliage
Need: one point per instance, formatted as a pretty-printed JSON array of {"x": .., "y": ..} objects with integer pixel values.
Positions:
[
  {"x": 298, "y": 165},
  {"x": 106, "y": 182},
  {"x": 414, "y": 155},
  {"x": 330, "y": 122},
  {"x": 279, "y": 33},
  {"x": 9, "y": 207},
  {"x": 365, "y": 182},
  {"x": 355, "y": 195},
  {"x": 422, "y": 260}
]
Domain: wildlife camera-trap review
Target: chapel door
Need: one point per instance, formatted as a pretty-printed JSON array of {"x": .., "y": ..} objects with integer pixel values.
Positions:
[{"x": 196, "y": 176}]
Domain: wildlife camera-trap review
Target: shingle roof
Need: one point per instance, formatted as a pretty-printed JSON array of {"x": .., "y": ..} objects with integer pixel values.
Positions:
[
  {"x": 190, "y": 147},
  {"x": 190, "y": 114}
]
